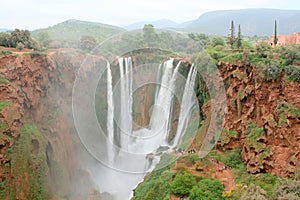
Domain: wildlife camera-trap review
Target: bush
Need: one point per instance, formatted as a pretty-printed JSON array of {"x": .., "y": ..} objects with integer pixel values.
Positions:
[
  {"x": 287, "y": 189},
  {"x": 20, "y": 46},
  {"x": 182, "y": 184},
  {"x": 207, "y": 190},
  {"x": 5, "y": 52},
  {"x": 292, "y": 73},
  {"x": 254, "y": 192}
]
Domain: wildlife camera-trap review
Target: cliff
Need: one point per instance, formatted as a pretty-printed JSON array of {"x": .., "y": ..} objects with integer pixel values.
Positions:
[{"x": 262, "y": 117}]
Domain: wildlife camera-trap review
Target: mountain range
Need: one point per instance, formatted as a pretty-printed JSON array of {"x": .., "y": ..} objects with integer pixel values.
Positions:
[{"x": 253, "y": 22}]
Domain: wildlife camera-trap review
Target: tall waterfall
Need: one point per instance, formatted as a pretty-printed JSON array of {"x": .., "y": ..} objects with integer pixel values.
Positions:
[{"x": 124, "y": 142}]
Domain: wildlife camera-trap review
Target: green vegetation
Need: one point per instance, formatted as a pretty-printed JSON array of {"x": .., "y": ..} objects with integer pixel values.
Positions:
[
  {"x": 227, "y": 135},
  {"x": 18, "y": 39},
  {"x": 28, "y": 165},
  {"x": 5, "y": 52},
  {"x": 207, "y": 189},
  {"x": 253, "y": 133},
  {"x": 68, "y": 33},
  {"x": 182, "y": 184},
  {"x": 155, "y": 186},
  {"x": 231, "y": 158}
]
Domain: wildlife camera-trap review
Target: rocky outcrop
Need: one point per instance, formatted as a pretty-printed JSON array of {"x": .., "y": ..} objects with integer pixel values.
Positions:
[{"x": 263, "y": 117}]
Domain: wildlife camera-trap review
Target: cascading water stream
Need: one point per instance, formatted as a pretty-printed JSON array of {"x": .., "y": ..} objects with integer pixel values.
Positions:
[
  {"x": 186, "y": 105},
  {"x": 123, "y": 142}
]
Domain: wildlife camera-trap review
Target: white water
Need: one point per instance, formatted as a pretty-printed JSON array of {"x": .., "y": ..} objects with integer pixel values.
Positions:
[
  {"x": 127, "y": 149},
  {"x": 186, "y": 105}
]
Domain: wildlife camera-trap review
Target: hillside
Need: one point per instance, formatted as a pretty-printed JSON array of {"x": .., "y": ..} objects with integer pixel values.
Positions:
[
  {"x": 74, "y": 29},
  {"x": 253, "y": 22}
]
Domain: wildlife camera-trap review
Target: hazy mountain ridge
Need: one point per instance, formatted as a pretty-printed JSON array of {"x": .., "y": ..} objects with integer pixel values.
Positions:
[
  {"x": 74, "y": 29},
  {"x": 253, "y": 21}
]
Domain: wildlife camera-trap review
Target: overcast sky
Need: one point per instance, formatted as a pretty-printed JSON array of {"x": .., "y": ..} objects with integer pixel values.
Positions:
[{"x": 33, "y": 14}]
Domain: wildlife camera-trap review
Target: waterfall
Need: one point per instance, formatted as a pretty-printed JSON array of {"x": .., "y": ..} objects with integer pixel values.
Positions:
[
  {"x": 110, "y": 117},
  {"x": 160, "y": 116},
  {"x": 125, "y": 115},
  {"x": 123, "y": 143},
  {"x": 186, "y": 105}
]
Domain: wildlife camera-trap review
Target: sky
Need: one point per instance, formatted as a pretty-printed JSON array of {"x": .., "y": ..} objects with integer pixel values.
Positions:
[{"x": 34, "y": 14}]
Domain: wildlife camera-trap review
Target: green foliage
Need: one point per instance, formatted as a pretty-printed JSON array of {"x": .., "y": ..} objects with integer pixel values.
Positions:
[
  {"x": 182, "y": 184},
  {"x": 20, "y": 46},
  {"x": 233, "y": 57},
  {"x": 155, "y": 186},
  {"x": 44, "y": 38},
  {"x": 17, "y": 38},
  {"x": 231, "y": 158},
  {"x": 263, "y": 50},
  {"x": 254, "y": 192},
  {"x": 239, "y": 38},
  {"x": 5, "y": 52},
  {"x": 215, "y": 41},
  {"x": 253, "y": 133},
  {"x": 28, "y": 164},
  {"x": 287, "y": 189},
  {"x": 4, "y": 104},
  {"x": 70, "y": 32},
  {"x": 292, "y": 73},
  {"x": 202, "y": 38},
  {"x": 231, "y": 38},
  {"x": 290, "y": 53},
  {"x": 227, "y": 135},
  {"x": 266, "y": 181},
  {"x": 207, "y": 190},
  {"x": 87, "y": 43}
]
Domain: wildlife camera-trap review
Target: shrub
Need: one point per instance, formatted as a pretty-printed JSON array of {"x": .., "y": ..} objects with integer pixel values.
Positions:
[
  {"x": 182, "y": 184},
  {"x": 287, "y": 189},
  {"x": 20, "y": 46},
  {"x": 254, "y": 192},
  {"x": 292, "y": 73},
  {"x": 207, "y": 190}
]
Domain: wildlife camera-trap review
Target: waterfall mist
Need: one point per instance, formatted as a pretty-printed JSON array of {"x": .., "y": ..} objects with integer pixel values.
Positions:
[{"x": 119, "y": 152}]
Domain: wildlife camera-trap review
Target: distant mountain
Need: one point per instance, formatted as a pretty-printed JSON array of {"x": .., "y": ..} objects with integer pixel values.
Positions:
[
  {"x": 162, "y": 23},
  {"x": 4, "y": 30},
  {"x": 253, "y": 22},
  {"x": 74, "y": 29}
]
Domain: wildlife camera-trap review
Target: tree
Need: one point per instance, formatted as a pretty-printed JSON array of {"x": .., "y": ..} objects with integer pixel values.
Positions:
[
  {"x": 44, "y": 38},
  {"x": 182, "y": 184},
  {"x": 22, "y": 36},
  {"x": 88, "y": 42},
  {"x": 217, "y": 41},
  {"x": 275, "y": 34},
  {"x": 231, "y": 39},
  {"x": 5, "y": 40},
  {"x": 239, "y": 38},
  {"x": 207, "y": 190},
  {"x": 150, "y": 37}
]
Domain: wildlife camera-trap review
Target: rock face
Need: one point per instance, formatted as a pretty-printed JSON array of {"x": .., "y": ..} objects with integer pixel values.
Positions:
[
  {"x": 36, "y": 90},
  {"x": 263, "y": 117}
]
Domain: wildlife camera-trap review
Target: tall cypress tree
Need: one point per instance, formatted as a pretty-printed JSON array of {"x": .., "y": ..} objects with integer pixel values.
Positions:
[
  {"x": 231, "y": 38},
  {"x": 275, "y": 34},
  {"x": 239, "y": 38}
]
